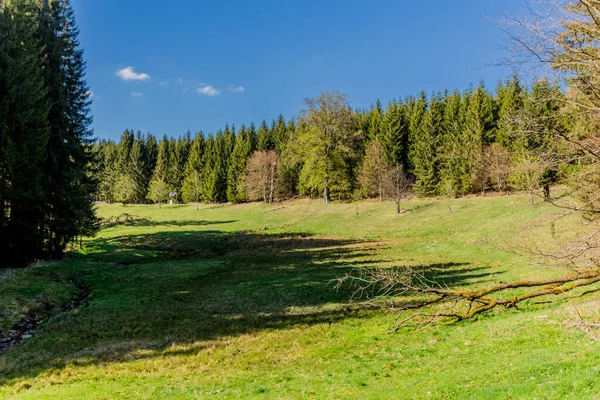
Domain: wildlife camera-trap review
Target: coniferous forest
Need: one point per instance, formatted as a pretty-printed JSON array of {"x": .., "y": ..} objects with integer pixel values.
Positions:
[
  {"x": 47, "y": 178},
  {"x": 450, "y": 143}
]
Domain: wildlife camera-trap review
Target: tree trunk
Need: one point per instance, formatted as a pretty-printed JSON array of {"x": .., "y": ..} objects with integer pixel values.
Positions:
[
  {"x": 398, "y": 207},
  {"x": 272, "y": 191},
  {"x": 325, "y": 192}
]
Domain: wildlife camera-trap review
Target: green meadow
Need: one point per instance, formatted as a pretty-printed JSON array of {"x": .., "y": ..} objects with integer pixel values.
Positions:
[{"x": 237, "y": 301}]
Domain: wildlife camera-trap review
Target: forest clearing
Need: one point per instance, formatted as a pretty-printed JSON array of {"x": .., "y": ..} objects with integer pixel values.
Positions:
[{"x": 234, "y": 301}]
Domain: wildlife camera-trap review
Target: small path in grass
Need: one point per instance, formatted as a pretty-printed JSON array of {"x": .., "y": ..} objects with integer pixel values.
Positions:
[{"x": 26, "y": 326}]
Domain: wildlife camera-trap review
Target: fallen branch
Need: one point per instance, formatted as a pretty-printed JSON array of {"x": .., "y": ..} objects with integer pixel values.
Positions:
[
  {"x": 435, "y": 303},
  {"x": 272, "y": 209}
]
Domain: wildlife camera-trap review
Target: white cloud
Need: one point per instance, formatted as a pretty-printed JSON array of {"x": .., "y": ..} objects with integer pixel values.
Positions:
[
  {"x": 179, "y": 81},
  {"x": 163, "y": 83},
  {"x": 209, "y": 90},
  {"x": 237, "y": 89},
  {"x": 137, "y": 94},
  {"x": 89, "y": 94},
  {"x": 128, "y": 74}
]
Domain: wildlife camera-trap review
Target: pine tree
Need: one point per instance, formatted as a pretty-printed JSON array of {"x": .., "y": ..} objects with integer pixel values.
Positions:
[
  {"x": 264, "y": 138},
  {"x": 23, "y": 135},
  {"x": 210, "y": 171},
  {"x": 393, "y": 134},
  {"x": 137, "y": 170},
  {"x": 417, "y": 108},
  {"x": 511, "y": 99},
  {"x": 424, "y": 149},
  {"x": 151, "y": 155},
  {"x": 453, "y": 165},
  {"x": 239, "y": 158},
  {"x": 160, "y": 176},
  {"x": 478, "y": 128},
  {"x": 124, "y": 150},
  {"x": 191, "y": 190},
  {"x": 375, "y": 121},
  {"x": 280, "y": 133},
  {"x": 179, "y": 151},
  {"x": 69, "y": 186},
  {"x": 109, "y": 172}
]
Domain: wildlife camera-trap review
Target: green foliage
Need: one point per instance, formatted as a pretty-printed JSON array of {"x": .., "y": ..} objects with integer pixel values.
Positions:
[
  {"x": 393, "y": 134},
  {"x": 424, "y": 148},
  {"x": 159, "y": 191},
  {"x": 125, "y": 190},
  {"x": 239, "y": 157},
  {"x": 47, "y": 179},
  {"x": 264, "y": 138},
  {"x": 328, "y": 143},
  {"x": 446, "y": 140},
  {"x": 193, "y": 170}
]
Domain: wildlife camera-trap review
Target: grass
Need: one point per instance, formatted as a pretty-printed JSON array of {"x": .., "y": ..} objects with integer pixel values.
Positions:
[{"x": 236, "y": 302}]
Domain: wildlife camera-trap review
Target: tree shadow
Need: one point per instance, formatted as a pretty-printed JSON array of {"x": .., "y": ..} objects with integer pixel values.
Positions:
[{"x": 152, "y": 291}]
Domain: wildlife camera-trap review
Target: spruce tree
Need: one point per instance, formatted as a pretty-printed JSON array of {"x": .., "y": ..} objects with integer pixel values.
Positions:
[
  {"x": 191, "y": 189},
  {"x": 151, "y": 155},
  {"x": 137, "y": 170},
  {"x": 23, "y": 135},
  {"x": 160, "y": 176},
  {"x": 239, "y": 157},
  {"x": 280, "y": 133},
  {"x": 511, "y": 99},
  {"x": 210, "y": 171},
  {"x": 416, "y": 107},
  {"x": 424, "y": 148},
  {"x": 264, "y": 139},
  {"x": 479, "y": 127},
  {"x": 375, "y": 121},
  {"x": 69, "y": 186},
  {"x": 453, "y": 165},
  {"x": 179, "y": 151},
  {"x": 393, "y": 135}
]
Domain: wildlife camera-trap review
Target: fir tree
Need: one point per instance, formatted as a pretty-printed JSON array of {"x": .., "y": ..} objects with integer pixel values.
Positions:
[
  {"x": 424, "y": 148},
  {"x": 417, "y": 107},
  {"x": 210, "y": 171},
  {"x": 69, "y": 186},
  {"x": 23, "y": 135},
  {"x": 264, "y": 139},
  {"x": 393, "y": 134},
  {"x": 160, "y": 177},
  {"x": 191, "y": 190},
  {"x": 239, "y": 157}
]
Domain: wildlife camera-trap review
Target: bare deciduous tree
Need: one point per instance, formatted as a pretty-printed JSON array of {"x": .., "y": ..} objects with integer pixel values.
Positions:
[
  {"x": 398, "y": 185},
  {"x": 375, "y": 171},
  {"x": 498, "y": 160},
  {"x": 561, "y": 36},
  {"x": 261, "y": 174}
]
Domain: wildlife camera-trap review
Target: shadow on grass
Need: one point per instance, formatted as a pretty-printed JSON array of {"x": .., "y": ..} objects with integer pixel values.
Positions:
[
  {"x": 134, "y": 220},
  {"x": 150, "y": 292}
]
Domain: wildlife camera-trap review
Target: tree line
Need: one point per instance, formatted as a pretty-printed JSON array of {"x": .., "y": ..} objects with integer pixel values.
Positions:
[
  {"x": 450, "y": 143},
  {"x": 46, "y": 177}
]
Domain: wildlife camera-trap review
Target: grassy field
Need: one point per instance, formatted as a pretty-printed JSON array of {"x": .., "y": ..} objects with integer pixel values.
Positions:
[{"x": 237, "y": 302}]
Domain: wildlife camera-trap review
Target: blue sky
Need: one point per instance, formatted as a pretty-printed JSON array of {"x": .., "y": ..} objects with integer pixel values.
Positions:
[{"x": 166, "y": 67}]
